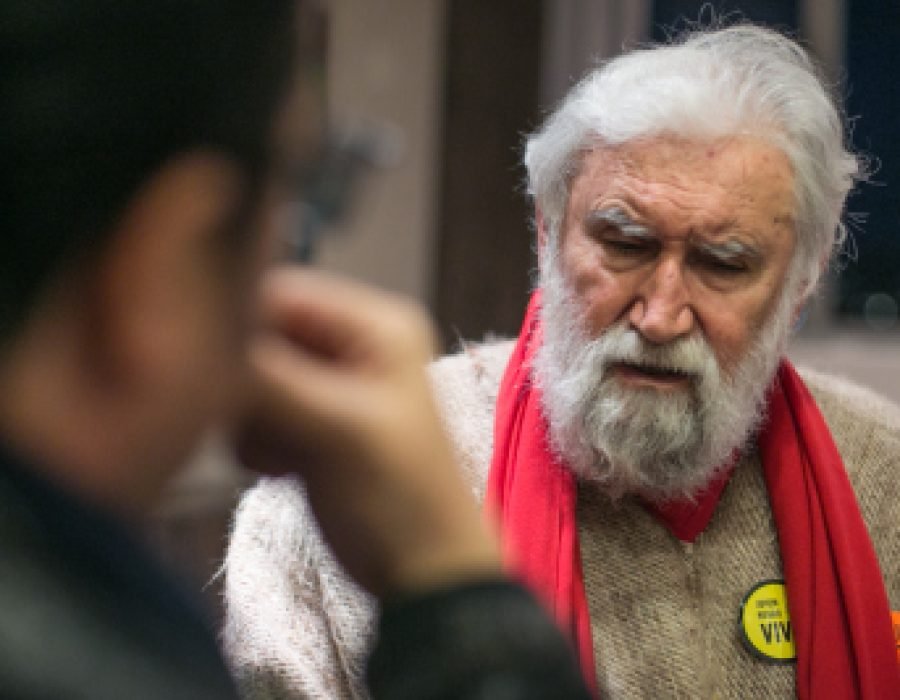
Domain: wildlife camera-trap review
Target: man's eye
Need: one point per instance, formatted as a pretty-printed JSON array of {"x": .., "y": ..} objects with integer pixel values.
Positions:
[
  {"x": 725, "y": 267},
  {"x": 625, "y": 247}
]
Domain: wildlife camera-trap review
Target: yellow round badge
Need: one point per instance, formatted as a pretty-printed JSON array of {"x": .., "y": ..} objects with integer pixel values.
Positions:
[{"x": 766, "y": 624}]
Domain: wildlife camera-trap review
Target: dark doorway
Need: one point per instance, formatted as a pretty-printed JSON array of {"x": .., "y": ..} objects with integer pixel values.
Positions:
[
  {"x": 484, "y": 236},
  {"x": 870, "y": 285}
]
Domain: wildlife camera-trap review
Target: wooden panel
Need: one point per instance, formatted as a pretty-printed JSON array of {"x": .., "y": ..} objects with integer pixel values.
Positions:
[{"x": 485, "y": 240}]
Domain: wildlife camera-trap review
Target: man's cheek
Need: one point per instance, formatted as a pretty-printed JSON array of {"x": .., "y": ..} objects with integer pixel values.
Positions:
[{"x": 729, "y": 343}]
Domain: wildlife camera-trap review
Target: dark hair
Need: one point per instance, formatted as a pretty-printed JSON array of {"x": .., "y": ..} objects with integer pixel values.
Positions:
[{"x": 95, "y": 95}]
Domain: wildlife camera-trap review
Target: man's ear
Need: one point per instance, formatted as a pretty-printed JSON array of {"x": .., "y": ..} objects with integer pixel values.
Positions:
[{"x": 153, "y": 277}]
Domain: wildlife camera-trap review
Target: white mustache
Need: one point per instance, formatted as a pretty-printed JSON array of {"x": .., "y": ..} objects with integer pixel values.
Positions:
[{"x": 620, "y": 344}]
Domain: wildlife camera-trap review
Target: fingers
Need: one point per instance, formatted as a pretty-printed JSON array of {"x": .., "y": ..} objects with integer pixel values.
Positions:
[
  {"x": 341, "y": 319},
  {"x": 335, "y": 359},
  {"x": 342, "y": 399},
  {"x": 299, "y": 395}
]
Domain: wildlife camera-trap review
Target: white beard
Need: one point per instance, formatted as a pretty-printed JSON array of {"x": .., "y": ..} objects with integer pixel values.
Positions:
[{"x": 661, "y": 445}]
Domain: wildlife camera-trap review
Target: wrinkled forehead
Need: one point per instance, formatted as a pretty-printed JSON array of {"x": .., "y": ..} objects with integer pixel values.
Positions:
[{"x": 745, "y": 177}]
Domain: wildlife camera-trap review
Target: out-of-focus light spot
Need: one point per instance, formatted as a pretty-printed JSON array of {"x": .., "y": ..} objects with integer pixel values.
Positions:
[{"x": 880, "y": 311}]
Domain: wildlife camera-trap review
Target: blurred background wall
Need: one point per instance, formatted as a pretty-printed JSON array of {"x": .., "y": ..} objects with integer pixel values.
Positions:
[
  {"x": 499, "y": 66},
  {"x": 456, "y": 84},
  {"x": 385, "y": 69}
]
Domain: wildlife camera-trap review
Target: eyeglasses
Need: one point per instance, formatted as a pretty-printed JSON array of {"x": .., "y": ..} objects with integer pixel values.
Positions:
[{"x": 327, "y": 186}]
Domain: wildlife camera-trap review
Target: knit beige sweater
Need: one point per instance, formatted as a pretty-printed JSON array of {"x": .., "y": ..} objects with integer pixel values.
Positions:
[{"x": 664, "y": 613}]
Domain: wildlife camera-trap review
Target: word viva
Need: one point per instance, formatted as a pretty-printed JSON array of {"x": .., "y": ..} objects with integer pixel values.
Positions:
[{"x": 776, "y": 631}]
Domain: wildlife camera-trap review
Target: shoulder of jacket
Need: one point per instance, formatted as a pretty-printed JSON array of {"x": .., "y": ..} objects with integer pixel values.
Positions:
[
  {"x": 842, "y": 400},
  {"x": 476, "y": 366},
  {"x": 465, "y": 386},
  {"x": 865, "y": 428},
  {"x": 295, "y": 624}
]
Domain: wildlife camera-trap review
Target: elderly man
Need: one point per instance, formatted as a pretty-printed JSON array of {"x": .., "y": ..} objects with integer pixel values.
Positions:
[{"x": 702, "y": 519}]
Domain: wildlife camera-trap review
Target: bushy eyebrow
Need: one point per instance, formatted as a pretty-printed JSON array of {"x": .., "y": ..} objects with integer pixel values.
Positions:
[
  {"x": 729, "y": 250},
  {"x": 620, "y": 219}
]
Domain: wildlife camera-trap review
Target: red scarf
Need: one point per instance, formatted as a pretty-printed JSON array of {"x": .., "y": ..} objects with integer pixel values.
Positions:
[{"x": 844, "y": 640}]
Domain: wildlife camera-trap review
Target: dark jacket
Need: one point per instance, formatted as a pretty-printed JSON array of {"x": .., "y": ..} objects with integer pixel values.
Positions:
[{"x": 87, "y": 613}]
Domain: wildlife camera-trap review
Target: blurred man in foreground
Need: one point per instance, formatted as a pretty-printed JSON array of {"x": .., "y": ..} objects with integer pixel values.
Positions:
[
  {"x": 705, "y": 521},
  {"x": 147, "y": 149}
]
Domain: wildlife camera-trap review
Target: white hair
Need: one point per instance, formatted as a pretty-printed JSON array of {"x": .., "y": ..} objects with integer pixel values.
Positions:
[{"x": 741, "y": 80}]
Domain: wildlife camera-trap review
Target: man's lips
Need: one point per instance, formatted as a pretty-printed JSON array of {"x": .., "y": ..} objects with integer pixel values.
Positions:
[{"x": 650, "y": 375}]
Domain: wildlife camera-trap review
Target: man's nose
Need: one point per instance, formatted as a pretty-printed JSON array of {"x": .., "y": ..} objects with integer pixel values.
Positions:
[{"x": 662, "y": 311}]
